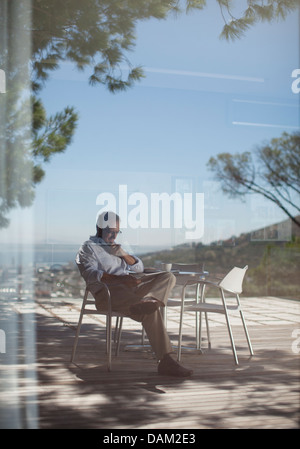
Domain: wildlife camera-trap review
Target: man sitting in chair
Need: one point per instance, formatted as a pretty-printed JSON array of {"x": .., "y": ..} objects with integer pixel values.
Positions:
[{"x": 101, "y": 260}]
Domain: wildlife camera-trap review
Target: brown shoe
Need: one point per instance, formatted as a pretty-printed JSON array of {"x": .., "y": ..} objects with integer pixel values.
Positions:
[
  {"x": 169, "y": 367},
  {"x": 145, "y": 307}
]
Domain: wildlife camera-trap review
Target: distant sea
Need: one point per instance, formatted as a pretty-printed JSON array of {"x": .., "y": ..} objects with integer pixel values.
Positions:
[{"x": 48, "y": 254}]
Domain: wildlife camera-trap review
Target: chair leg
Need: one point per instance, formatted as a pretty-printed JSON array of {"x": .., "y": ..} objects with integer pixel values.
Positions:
[
  {"x": 119, "y": 335},
  {"x": 76, "y": 338},
  {"x": 78, "y": 327},
  {"x": 200, "y": 332},
  {"x": 180, "y": 324},
  {"x": 207, "y": 331},
  {"x": 116, "y": 329},
  {"x": 229, "y": 328},
  {"x": 107, "y": 334},
  {"x": 200, "y": 322},
  {"x": 245, "y": 327},
  {"x": 109, "y": 338},
  {"x": 199, "y": 342},
  {"x": 143, "y": 336}
]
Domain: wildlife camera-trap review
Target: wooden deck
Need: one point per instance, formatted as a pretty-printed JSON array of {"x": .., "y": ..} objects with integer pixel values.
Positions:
[{"x": 262, "y": 392}]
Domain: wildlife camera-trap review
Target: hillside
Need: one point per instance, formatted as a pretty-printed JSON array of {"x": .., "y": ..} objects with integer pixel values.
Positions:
[{"x": 273, "y": 265}]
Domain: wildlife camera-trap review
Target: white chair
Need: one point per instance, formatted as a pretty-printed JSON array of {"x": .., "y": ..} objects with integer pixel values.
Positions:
[
  {"x": 187, "y": 275},
  {"x": 87, "y": 310},
  {"x": 231, "y": 283}
]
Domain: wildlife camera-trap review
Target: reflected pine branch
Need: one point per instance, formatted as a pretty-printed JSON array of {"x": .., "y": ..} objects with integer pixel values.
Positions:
[{"x": 274, "y": 174}]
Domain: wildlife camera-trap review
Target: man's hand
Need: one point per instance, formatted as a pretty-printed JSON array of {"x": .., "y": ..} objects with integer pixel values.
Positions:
[{"x": 117, "y": 250}]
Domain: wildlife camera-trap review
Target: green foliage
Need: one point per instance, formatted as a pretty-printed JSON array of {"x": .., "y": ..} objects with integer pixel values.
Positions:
[
  {"x": 95, "y": 36},
  {"x": 235, "y": 172},
  {"x": 257, "y": 10},
  {"x": 281, "y": 161},
  {"x": 195, "y": 4},
  {"x": 98, "y": 34},
  {"x": 236, "y": 28},
  {"x": 273, "y": 268},
  {"x": 30, "y": 138},
  {"x": 92, "y": 34},
  {"x": 275, "y": 174},
  {"x": 51, "y": 135},
  {"x": 277, "y": 274}
]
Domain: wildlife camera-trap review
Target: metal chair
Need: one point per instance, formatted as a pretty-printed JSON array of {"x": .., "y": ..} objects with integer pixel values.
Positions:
[
  {"x": 187, "y": 275},
  {"x": 231, "y": 283},
  {"x": 85, "y": 310}
]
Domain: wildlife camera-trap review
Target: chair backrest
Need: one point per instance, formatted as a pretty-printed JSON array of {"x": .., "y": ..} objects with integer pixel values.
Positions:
[
  {"x": 188, "y": 267},
  {"x": 233, "y": 281}
]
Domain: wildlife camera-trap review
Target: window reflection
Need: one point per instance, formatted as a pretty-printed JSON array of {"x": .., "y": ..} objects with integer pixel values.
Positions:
[{"x": 97, "y": 95}]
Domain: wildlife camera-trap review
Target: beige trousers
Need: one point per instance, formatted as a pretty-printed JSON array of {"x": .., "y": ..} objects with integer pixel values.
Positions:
[{"x": 156, "y": 285}]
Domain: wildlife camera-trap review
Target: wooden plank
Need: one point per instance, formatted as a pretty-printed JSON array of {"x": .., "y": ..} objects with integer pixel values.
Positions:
[{"x": 262, "y": 392}]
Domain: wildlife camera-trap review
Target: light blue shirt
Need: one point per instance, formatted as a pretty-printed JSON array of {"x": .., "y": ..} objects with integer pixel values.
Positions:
[{"x": 94, "y": 258}]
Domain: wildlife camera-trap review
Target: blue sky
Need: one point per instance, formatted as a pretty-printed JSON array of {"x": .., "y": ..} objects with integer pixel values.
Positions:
[{"x": 201, "y": 96}]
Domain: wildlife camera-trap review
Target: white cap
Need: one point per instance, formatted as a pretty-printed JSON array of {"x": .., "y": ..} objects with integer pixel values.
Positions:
[{"x": 107, "y": 219}]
